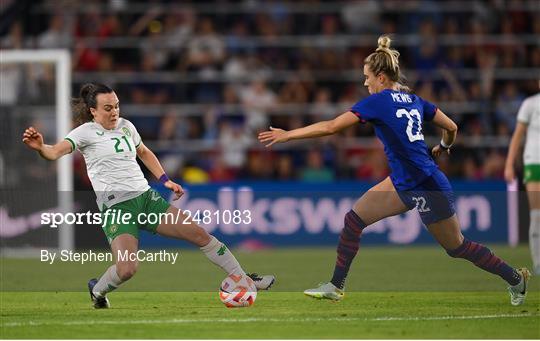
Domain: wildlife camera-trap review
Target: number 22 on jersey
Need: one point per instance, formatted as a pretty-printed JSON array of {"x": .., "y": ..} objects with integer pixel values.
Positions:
[{"x": 411, "y": 116}]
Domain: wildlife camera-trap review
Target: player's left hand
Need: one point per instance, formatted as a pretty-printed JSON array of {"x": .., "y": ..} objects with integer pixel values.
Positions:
[
  {"x": 274, "y": 135},
  {"x": 176, "y": 188},
  {"x": 438, "y": 150}
]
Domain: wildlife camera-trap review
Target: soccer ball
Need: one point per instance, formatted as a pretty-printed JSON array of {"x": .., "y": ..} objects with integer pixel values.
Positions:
[{"x": 237, "y": 291}]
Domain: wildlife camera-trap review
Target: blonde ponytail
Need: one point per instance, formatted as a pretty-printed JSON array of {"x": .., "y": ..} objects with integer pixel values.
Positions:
[
  {"x": 386, "y": 60},
  {"x": 384, "y": 42},
  {"x": 384, "y": 46}
]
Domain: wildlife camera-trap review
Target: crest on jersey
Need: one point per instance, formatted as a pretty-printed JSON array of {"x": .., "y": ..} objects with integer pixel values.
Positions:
[
  {"x": 126, "y": 131},
  {"x": 113, "y": 228},
  {"x": 155, "y": 196}
]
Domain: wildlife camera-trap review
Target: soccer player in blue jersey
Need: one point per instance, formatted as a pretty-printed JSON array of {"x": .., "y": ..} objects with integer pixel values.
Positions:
[{"x": 415, "y": 180}]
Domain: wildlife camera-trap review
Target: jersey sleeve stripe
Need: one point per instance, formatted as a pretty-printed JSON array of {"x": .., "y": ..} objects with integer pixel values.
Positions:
[
  {"x": 362, "y": 120},
  {"x": 73, "y": 146},
  {"x": 138, "y": 144}
]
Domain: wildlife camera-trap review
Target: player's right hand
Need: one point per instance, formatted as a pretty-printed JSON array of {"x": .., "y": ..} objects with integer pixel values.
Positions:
[
  {"x": 274, "y": 135},
  {"x": 509, "y": 173},
  {"x": 176, "y": 188},
  {"x": 33, "y": 139}
]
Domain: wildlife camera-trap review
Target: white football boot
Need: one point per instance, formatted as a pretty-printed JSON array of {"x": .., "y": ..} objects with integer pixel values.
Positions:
[
  {"x": 327, "y": 291},
  {"x": 518, "y": 292},
  {"x": 262, "y": 282}
]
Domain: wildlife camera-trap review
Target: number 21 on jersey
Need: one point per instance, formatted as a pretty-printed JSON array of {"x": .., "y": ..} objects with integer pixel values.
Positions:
[
  {"x": 117, "y": 147},
  {"x": 411, "y": 116}
]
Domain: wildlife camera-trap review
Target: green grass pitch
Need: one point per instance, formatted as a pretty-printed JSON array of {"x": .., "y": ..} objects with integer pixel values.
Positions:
[{"x": 392, "y": 292}]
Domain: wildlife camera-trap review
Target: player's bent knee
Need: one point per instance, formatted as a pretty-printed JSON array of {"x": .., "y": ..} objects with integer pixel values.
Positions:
[
  {"x": 203, "y": 238},
  {"x": 453, "y": 242},
  {"x": 126, "y": 270},
  {"x": 199, "y": 237}
]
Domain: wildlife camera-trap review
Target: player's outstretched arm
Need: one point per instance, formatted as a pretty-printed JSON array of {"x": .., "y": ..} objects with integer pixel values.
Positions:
[
  {"x": 449, "y": 133},
  {"x": 151, "y": 162},
  {"x": 515, "y": 143},
  {"x": 318, "y": 129},
  {"x": 34, "y": 140}
]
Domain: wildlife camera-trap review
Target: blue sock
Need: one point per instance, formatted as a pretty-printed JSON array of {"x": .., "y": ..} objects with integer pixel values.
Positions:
[{"x": 349, "y": 242}]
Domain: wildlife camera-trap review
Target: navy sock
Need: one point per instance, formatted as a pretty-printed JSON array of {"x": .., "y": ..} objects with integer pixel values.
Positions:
[
  {"x": 349, "y": 242},
  {"x": 483, "y": 258}
]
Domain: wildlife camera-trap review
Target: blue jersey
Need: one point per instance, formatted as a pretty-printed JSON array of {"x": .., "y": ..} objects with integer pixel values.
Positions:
[{"x": 397, "y": 117}]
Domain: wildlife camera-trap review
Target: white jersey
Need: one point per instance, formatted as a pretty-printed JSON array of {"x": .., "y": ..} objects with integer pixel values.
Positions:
[
  {"x": 529, "y": 114},
  {"x": 110, "y": 157}
]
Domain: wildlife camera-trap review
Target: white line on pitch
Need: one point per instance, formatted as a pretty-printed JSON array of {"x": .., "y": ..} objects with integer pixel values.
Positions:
[{"x": 263, "y": 319}]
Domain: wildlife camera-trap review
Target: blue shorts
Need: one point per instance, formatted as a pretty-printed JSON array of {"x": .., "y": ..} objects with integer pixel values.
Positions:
[{"x": 433, "y": 198}]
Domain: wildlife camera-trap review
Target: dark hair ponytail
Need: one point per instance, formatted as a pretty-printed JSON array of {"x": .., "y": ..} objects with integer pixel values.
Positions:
[{"x": 86, "y": 100}]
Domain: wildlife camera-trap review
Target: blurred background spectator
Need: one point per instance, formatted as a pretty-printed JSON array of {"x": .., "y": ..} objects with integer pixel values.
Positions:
[{"x": 200, "y": 79}]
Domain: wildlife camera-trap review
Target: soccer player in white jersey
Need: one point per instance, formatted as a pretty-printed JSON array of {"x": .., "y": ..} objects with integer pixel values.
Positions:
[
  {"x": 528, "y": 123},
  {"x": 110, "y": 145}
]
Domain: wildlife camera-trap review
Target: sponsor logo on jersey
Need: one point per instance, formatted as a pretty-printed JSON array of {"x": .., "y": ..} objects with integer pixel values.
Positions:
[
  {"x": 126, "y": 131},
  {"x": 100, "y": 133}
]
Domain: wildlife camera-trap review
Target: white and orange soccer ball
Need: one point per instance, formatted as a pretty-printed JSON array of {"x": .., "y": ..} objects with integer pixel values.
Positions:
[{"x": 237, "y": 291}]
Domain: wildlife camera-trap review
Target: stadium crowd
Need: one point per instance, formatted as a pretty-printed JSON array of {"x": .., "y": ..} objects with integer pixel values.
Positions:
[{"x": 199, "y": 79}]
